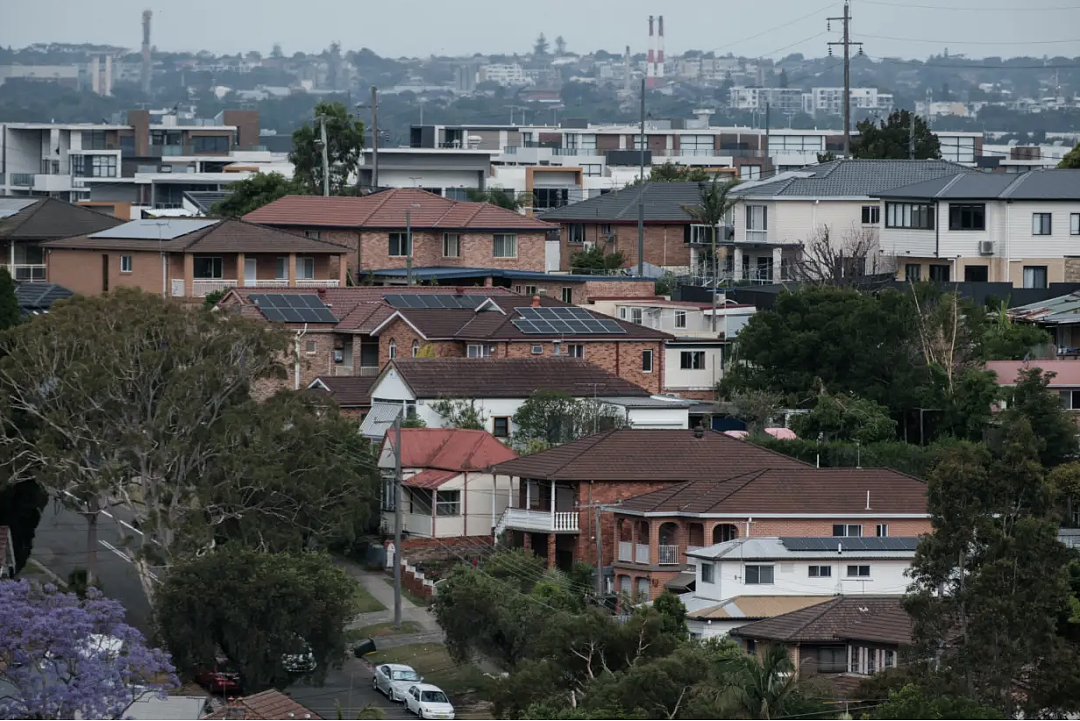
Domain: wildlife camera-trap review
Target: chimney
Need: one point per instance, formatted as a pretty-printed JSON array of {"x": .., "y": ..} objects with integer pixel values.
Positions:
[
  {"x": 650, "y": 64},
  {"x": 699, "y": 431},
  {"x": 660, "y": 50},
  {"x": 460, "y": 290},
  {"x": 536, "y": 301}
]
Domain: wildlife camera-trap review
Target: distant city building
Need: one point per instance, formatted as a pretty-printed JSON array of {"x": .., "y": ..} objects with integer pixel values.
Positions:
[
  {"x": 830, "y": 101},
  {"x": 506, "y": 75}
]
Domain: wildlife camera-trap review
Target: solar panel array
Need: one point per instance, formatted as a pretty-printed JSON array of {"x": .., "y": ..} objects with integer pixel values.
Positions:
[
  {"x": 433, "y": 300},
  {"x": 11, "y": 206},
  {"x": 563, "y": 321},
  {"x": 293, "y": 307},
  {"x": 850, "y": 543},
  {"x": 149, "y": 229}
]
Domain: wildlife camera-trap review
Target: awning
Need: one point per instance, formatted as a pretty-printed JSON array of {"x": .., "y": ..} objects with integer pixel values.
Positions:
[
  {"x": 682, "y": 583},
  {"x": 379, "y": 419},
  {"x": 430, "y": 478}
]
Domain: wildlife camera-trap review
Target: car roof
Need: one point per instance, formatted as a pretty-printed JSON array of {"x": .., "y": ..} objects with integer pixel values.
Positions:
[
  {"x": 398, "y": 667},
  {"x": 428, "y": 687}
]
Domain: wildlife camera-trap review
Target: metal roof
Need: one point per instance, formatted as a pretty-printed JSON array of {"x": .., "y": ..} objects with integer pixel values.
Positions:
[
  {"x": 379, "y": 419},
  {"x": 11, "y": 206},
  {"x": 1047, "y": 184},
  {"x": 449, "y": 273},
  {"x": 662, "y": 201},
  {"x": 39, "y": 296},
  {"x": 1062, "y": 310},
  {"x": 853, "y": 178},
  {"x": 650, "y": 402},
  {"x": 205, "y": 200},
  {"x": 772, "y": 548},
  {"x": 161, "y": 228}
]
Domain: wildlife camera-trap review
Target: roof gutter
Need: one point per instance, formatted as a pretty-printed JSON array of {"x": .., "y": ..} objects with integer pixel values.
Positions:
[{"x": 684, "y": 514}]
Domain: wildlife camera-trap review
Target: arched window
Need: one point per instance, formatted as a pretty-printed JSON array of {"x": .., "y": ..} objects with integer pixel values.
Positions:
[
  {"x": 393, "y": 349},
  {"x": 415, "y": 348}
]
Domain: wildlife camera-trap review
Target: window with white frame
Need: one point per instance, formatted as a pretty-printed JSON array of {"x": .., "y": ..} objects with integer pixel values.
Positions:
[
  {"x": 701, "y": 233},
  {"x": 447, "y": 503},
  {"x": 622, "y": 312},
  {"x": 646, "y": 361},
  {"x": 281, "y": 268},
  {"x": 537, "y": 350},
  {"x": 820, "y": 571},
  {"x": 125, "y": 264},
  {"x": 749, "y": 172},
  {"x": 575, "y": 350},
  {"x": 707, "y": 573},
  {"x": 415, "y": 348},
  {"x": 858, "y": 571},
  {"x": 882, "y": 530},
  {"x": 305, "y": 268},
  {"x": 635, "y": 315},
  {"x": 917, "y": 216},
  {"x": 313, "y": 234},
  {"x": 871, "y": 214},
  {"x": 451, "y": 245},
  {"x": 849, "y": 529},
  {"x": 692, "y": 360},
  {"x": 1074, "y": 224},
  {"x": 575, "y": 233},
  {"x": 757, "y": 221},
  {"x": 103, "y": 166},
  {"x": 758, "y": 574},
  {"x": 311, "y": 347},
  {"x": 567, "y": 295},
  {"x": 680, "y": 319},
  {"x": 399, "y": 245},
  {"x": 1034, "y": 276},
  {"x": 476, "y": 350},
  {"x": 500, "y": 426},
  {"x": 391, "y": 349},
  {"x": 1040, "y": 223},
  {"x": 504, "y": 245}
]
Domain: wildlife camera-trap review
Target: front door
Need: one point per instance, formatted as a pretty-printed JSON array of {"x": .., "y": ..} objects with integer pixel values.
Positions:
[{"x": 250, "y": 274}]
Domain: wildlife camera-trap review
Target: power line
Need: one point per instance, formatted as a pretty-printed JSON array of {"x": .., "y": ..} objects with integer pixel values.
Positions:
[
  {"x": 905, "y": 6},
  {"x": 973, "y": 42},
  {"x": 774, "y": 29}
]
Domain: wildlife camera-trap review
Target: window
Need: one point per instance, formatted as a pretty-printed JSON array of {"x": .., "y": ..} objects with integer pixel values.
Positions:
[
  {"x": 451, "y": 245},
  {"x": 940, "y": 273},
  {"x": 281, "y": 268},
  {"x": 912, "y": 272},
  {"x": 305, "y": 268},
  {"x": 757, "y": 218},
  {"x": 500, "y": 426},
  {"x": 415, "y": 348},
  {"x": 692, "y": 360},
  {"x": 1074, "y": 224},
  {"x": 889, "y": 659},
  {"x": 871, "y": 214},
  {"x": 858, "y": 571},
  {"x": 530, "y": 290},
  {"x": 392, "y": 349},
  {"x": 125, "y": 263},
  {"x": 832, "y": 659},
  {"x": 622, "y": 313},
  {"x": 635, "y": 315},
  {"x": 751, "y": 646},
  {"x": 567, "y": 295},
  {"x": 575, "y": 233},
  {"x": 474, "y": 350},
  {"x": 707, "y": 573},
  {"x": 103, "y": 166},
  {"x": 93, "y": 140},
  {"x": 918, "y": 216},
  {"x": 820, "y": 571},
  {"x": 882, "y": 530},
  {"x": 701, "y": 234},
  {"x": 851, "y": 530},
  {"x": 646, "y": 361},
  {"x": 399, "y": 245},
  {"x": 389, "y": 490},
  {"x": 680, "y": 319},
  {"x": 447, "y": 503},
  {"x": 575, "y": 350},
  {"x": 548, "y": 198},
  {"x": 591, "y": 170},
  {"x": 504, "y": 245},
  {"x": 758, "y": 575},
  {"x": 1034, "y": 276},
  {"x": 1040, "y": 223},
  {"x": 313, "y": 234},
  {"x": 749, "y": 172},
  {"x": 207, "y": 268},
  {"x": 310, "y": 347},
  {"x": 976, "y": 273},
  {"x": 538, "y": 350},
  {"x": 209, "y": 144},
  {"x": 967, "y": 216}
]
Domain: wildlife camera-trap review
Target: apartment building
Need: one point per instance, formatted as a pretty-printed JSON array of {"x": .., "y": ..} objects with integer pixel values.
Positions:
[
  {"x": 505, "y": 74},
  {"x": 998, "y": 227},
  {"x": 780, "y": 100},
  {"x": 830, "y": 101}
]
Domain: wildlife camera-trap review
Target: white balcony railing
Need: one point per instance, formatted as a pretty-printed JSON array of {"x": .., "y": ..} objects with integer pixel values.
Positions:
[
  {"x": 202, "y": 287},
  {"x": 641, "y": 553},
  {"x": 626, "y": 551},
  {"x": 299, "y": 283},
  {"x": 524, "y": 520},
  {"x": 668, "y": 555},
  {"x": 27, "y": 273},
  {"x": 343, "y": 370},
  {"x": 177, "y": 287},
  {"x": 757, "y": 236},
  {"x": 368, "y": 371}
]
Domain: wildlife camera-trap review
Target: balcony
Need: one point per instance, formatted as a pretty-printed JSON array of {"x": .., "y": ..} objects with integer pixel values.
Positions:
[
  {"x": 641, "y": 553},
  {"x": 202, "y": 287},
  {"x": 368, "y": 371},
  {"x": 668, "y": 555},
  {"x": 698, "y": 152},
  {"x": 588, "y": 152},
  {"x": 757, "y": 236},
  {"x": 27, "y": 273},
  {"x": 626, "y": 551},
  {"x": 558, "y": 522},
  {"x": 298, "y": 283},
  {"x": 22, "y": 180}
]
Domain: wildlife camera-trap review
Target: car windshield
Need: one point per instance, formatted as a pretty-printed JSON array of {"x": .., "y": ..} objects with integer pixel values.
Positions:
[
  {"x": 434, "y": 697},
  {"x": 405, "y": 675}
]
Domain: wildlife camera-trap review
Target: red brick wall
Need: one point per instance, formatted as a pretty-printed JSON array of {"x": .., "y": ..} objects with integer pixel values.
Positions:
[
  {"x": 629, "y": 288},
  {"x": 83, "y": 270},
  {"x": 604, "y": 492},
  {"x": 404, "y": 335},
  {"x": 475, "y": 250},
  {"x": 312, "y": 365},
  {"x": 622, "y": 358},
  {"x": 664, "y": 244}
]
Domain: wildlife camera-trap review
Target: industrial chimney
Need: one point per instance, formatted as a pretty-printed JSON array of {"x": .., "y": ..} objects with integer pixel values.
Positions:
[
  {"x": 650, "y": 63},
  {"x": 660, "y": 50},
  {"x": 147, "y": 14}
]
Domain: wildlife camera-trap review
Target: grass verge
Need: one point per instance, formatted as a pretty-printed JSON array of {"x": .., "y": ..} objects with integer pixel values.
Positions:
[
  {"x": 433, "y": 663},
  {"x": 366, "y": 603},
  {"x": 377, "y": 630}
]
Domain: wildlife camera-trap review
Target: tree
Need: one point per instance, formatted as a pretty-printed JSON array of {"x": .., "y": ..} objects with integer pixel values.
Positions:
[
  {"x": 253, "y": 193},
  {"x": 913, "y": 702},
  {"x": 595, "y": 260},
  {"x": 826, "y": 156},
  {"x": 556, "y": 417},
  {"x": 65, "y": 657},
  {"x": 560, "y": 46},
  {"x": 1003, "y": 339},
  {"x": 21, "y": 507},
  {"x": 1071, "y": 159},
  {"x": 256, "y": 608},
  {"x": 891, "y": 138},
  {"x": 782, "y": 81},
  {"x": 843, "y": 261},
  {"x": 715, "y": 203},
  {"x": 540, "y": 47},
  {"x": 765, "y": 687},
  {"x": 1054, "y": 428},
  {"x": 460, "y": 413},
  {"x": 10, "y": 315},
  {"x": 344, "y": 140},
  {"x": 845, "y": 417},
  {"x": 497, "y": 196},
  {"x": 756, "y": 408},
  {"x": 669, "y": 172}
]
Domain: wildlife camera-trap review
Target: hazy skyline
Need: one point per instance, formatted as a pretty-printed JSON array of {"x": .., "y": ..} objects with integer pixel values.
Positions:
[{"x": 769, "y": 28}]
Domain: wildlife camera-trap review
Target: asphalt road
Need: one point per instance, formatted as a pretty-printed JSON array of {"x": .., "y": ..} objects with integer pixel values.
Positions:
[{"x": 351, "y": 687}]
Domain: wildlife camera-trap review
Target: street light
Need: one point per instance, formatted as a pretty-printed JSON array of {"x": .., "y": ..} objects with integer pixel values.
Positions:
[{"x": 408, "y": 243}]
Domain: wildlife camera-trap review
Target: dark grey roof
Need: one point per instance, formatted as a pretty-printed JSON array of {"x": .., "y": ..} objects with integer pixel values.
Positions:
[
  {"x": 36, "y": 298},
  {"x": 204, "y": 200},
  {"x": 1050, "y": 184},
  {"x": 663, "y": 202},
  {"x": 49, "y": 218},
  {"x": 852, "y": 178}
]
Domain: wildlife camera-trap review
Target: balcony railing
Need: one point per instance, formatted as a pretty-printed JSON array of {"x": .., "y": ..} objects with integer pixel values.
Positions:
[
  {"x": 177, "y": 287},
  {"x": 202, "y": 287},
  {"x": 576, "y": 151},
  {"x": 343, "y": 370},
  {"x": 695, "y": 152},
  {"x": 626, "y": 551},
  {"x": 27, "y": 273},
  {"x": 368, "y": 371},
  {"x": 525, "y": 520},
  {"x": 757, "y": 236},
  {"x": 22, "y": 180},
  {"x": 299, "y": 283},
  {"x": 668, "y": 555},
  {"x": 641, "y": 553}
]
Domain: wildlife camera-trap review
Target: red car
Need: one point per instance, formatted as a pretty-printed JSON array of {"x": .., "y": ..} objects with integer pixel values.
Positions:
[{"x": 222, "y": 678}]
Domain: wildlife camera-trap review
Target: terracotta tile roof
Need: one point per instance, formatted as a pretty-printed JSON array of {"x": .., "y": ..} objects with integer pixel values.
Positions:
[
  {"x": 801, "y": 489},
  {"x": 348, "y": 391},
  {"x": 757, "y": 606},
  {"x": 430, "y": 478},
  {"x": 878, "y": 619},
  {"x": 386, "y": 210},
  {"x": 1066, "y": 371},
  {"x": 228, "y": 236},
  {"x": 270, "y": 704},
  {"x": 449, "y": 449},
  {"x": 649, "y": 455},
  {"x": 48, "y": 218},
  {"x": 510, "y": 377}
]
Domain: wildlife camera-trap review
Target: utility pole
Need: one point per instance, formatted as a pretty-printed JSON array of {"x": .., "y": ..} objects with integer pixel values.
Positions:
[
  {"x": 374, "y": 137},
  {"x": 599, "y": 557},
  {"x": 325, "y": 157},
  {"x": 408, "y": 246},
  {"x": 768, "y": 158},
  {"x": 846, "y": 42},
  {"x": 911, "y": 138},
  {"x": 641, "y": 201},
  {"x": 397, "y": 519}
]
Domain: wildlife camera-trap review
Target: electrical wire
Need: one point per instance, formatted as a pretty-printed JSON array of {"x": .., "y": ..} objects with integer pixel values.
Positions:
[
  {"x": 981, "y": 9},
  {"x": 775, "y": 28},
  {"x": 972, "y": 42}
]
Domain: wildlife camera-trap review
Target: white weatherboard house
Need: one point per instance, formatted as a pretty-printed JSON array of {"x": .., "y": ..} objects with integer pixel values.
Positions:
[
  {"x": 499, "y": 386},
  {"x": 779, "y": 575},
  {"x": 1019, "y": 228}
]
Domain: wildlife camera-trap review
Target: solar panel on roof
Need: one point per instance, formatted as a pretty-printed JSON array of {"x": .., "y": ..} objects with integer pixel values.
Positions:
[
  {"x": 159, "y": 229},
  {"x": 850, "y": 544},
  {"x": 293, "y": 308},
  {"x": 435, "y": 300}
]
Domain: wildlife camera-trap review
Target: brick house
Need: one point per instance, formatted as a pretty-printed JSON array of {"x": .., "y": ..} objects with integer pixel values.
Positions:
[
  {"x": 444, "y": 232},
  {"x": 612, "y": 468},
  {"x": 655, "y": 530},
  {"x": 609, "y": 221},
  {"x": 351, "y": 393},
  {"x": 190, "y": 258},
  {"x": 25, "y": 223}
]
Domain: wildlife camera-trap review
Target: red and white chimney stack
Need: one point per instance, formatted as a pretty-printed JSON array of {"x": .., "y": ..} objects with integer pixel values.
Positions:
[
  {"x": 660, "y": 50},
  {"x": 650, "y": 64}
]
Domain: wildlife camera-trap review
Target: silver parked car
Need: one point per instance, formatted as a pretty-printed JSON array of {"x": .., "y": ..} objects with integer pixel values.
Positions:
[
  {"x": 394, "y": 680},
  {"x": 428, "y": 702}
]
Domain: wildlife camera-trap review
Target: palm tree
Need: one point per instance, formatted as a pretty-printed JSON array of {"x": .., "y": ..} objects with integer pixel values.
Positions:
[
  {"x": 715, "y": 203},
  {"x": 765, "y": 687}
]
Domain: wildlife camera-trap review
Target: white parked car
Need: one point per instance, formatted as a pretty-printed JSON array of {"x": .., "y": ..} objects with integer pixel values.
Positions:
[
  {"x": 394, "y": 680},
  {"x": 428, "y": 702}
]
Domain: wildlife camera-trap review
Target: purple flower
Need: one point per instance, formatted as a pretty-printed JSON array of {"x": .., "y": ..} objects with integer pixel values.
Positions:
[{"x": 62, "y": 657}]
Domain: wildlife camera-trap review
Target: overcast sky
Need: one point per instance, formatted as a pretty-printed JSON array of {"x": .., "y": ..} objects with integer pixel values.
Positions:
[{"x": 394, "y": 28}]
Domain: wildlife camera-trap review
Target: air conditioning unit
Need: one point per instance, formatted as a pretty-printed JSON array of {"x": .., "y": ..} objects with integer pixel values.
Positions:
[{"x": 986, "y": 247}]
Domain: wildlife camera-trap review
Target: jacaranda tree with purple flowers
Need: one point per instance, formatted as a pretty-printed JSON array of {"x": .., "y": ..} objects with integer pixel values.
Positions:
[{"x": 62, "y": 657}]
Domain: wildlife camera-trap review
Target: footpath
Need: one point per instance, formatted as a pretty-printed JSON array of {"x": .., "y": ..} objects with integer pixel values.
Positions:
[{"x": 375, "y": 583}]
